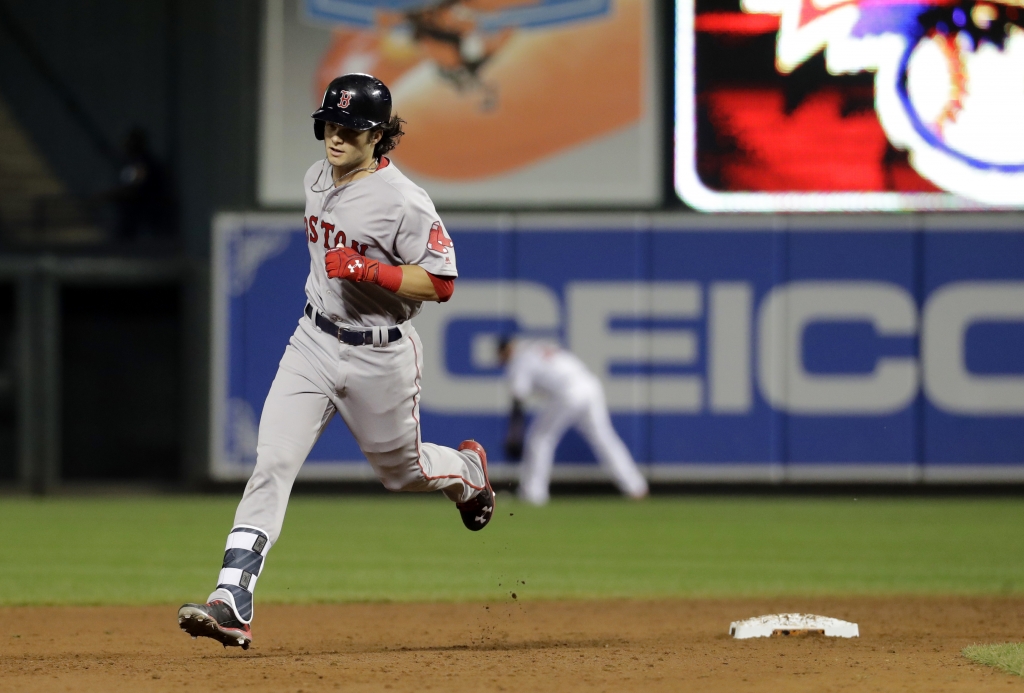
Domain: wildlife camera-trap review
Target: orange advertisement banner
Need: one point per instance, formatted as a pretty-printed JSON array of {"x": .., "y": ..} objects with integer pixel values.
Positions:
[{"x": 506, "y": 101}]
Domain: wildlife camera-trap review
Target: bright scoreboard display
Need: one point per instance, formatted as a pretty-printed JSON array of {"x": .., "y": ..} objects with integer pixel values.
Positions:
[{"x": 818, "y": 105}]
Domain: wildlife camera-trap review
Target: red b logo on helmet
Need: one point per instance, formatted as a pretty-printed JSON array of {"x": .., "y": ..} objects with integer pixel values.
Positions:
[{"x": 345, "y": 100}]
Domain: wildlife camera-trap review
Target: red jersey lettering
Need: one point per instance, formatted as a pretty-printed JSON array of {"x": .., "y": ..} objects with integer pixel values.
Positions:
[{"x": 327, "y": 233}]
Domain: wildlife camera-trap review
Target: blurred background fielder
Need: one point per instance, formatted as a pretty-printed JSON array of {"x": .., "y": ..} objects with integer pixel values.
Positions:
[{"x": 574, "y": 399}]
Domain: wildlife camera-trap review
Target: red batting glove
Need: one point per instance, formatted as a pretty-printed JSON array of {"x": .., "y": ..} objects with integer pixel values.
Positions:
[{"x": 345, "y": 263}]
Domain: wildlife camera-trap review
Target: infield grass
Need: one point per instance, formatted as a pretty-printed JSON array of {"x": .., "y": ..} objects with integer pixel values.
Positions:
[
  {"x": 1006, "y": 656},
  {"x": 169, "y": 549}
]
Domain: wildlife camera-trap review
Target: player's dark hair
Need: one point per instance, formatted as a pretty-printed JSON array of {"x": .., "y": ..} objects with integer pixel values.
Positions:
[{"x": 390, "y": 133}]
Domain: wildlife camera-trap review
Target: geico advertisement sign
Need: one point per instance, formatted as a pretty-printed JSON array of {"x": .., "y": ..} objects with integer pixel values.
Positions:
[{"x": 692, "y": 347}]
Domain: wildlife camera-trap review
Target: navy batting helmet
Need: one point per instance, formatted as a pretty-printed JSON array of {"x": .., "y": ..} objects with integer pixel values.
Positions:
[{"x": 357, "y": 101}]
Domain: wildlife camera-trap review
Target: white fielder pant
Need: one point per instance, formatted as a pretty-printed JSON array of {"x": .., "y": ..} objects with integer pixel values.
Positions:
[
  {"x": 584, "y": 409},
  {"x": 377, "y": 393}
]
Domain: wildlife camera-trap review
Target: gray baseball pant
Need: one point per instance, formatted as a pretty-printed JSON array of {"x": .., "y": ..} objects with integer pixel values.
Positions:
[{"x": 376, "y": 390}]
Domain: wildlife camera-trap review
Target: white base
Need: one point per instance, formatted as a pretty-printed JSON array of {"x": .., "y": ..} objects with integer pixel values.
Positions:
[{"x": 792, "y": 624}]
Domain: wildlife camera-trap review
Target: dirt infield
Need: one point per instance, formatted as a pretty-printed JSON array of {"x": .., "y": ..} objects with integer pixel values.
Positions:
[{"x": 906, "y": 644}]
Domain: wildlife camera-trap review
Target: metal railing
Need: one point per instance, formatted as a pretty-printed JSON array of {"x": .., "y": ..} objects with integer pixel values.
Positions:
[{"x": 54, "y": 220}]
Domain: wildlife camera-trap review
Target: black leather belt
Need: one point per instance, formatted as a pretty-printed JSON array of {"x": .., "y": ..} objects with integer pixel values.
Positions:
[{"x": 353, "y": 337}]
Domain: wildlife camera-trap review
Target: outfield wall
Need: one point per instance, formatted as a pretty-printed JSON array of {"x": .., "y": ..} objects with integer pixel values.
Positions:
[{"x": 732, "y": 349}]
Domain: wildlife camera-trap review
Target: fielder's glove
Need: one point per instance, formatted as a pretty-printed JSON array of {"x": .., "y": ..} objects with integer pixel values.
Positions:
[{"x": 516, "y": 433}]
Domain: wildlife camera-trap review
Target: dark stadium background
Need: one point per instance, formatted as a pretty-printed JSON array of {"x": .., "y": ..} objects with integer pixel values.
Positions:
[
  {"x": 106, "y": 380},
  {"x": 104, "y": 342}
]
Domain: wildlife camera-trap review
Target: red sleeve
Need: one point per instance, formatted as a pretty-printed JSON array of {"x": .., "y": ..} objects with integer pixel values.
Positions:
[
  {"x": 389, "y": 276},
  {"x": 444, "y": 287}
]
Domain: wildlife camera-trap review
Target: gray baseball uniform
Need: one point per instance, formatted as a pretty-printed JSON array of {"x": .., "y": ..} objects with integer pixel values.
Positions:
[{"x": 375, "y": 388}]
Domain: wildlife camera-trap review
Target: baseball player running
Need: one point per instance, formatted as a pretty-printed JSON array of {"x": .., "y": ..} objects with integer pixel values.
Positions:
[
  {"x": 378, "y": 250},
  {"x": 574, "y": 399}
]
